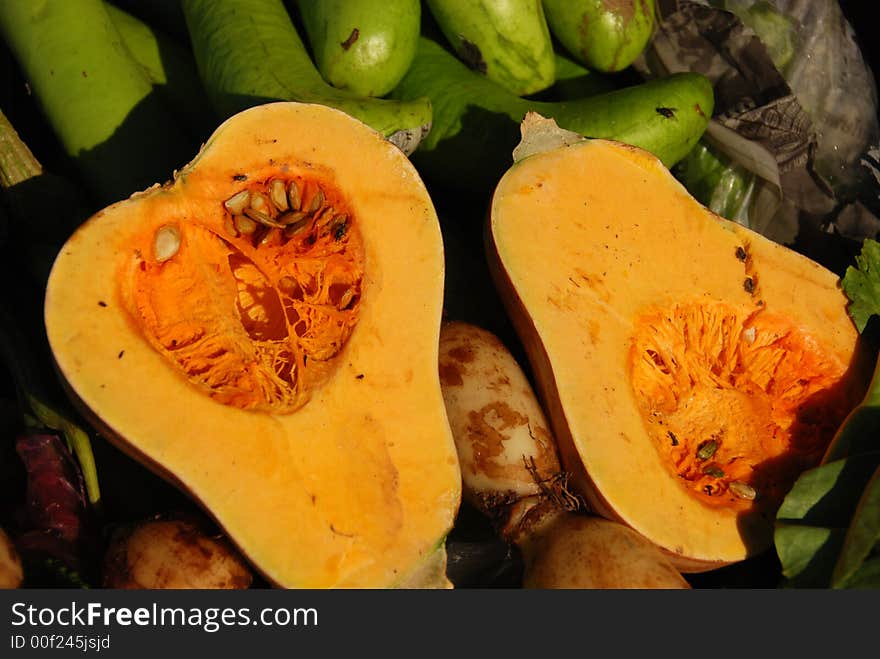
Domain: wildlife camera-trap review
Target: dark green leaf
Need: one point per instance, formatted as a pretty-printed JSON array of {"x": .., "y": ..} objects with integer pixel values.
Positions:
[
  {"x": 812, "y": 522},
  {"x": 827, "y": 495},
  {"x": 807, "y": 553},
  {"x": 861, "y": 283},
  {"x": 867, "y": 576},
  {"x": 862, "y": 536}
]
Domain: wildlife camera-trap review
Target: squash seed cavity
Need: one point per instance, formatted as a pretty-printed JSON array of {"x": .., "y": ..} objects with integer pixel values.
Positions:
[
  {"x": 750, "y": 399},
  {"x": 257, "y": 310}
]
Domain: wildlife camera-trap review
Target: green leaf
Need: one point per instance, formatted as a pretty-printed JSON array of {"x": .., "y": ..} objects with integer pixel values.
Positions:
[
  {"x": 807, "y": 553},
  {"x": 861, "y": 283},
  {"x": 862, "y": 536},
  {"x": 812, "y": 522},
  {"x": 827, "y": 495},
  {"x": 867, "y": 576}
]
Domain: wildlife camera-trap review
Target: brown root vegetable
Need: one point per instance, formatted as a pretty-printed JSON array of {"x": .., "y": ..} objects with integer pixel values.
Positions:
[
  {"x": 172, "y": 554},
  {"x": 11, "y": 571},
  {"x": 511, "y": 472},
  {"x": 579, "y": 551},
  {"x": 506, "y": 452}
]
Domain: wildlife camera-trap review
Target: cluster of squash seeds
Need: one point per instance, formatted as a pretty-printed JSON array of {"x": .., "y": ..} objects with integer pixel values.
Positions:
[
  {"x": 296, "y": 264},
  {"x": 290, "y": 207}
]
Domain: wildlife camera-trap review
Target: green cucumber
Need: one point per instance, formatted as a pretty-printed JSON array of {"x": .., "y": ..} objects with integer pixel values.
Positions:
[
  {"x": 171, "y": 67},
  {"x": 248, "y": 52},
  {"x": 476, "y": 121},
  {"x": 507, "y": 40},
  {"x": 96, "y": 98},
  {"x": 604, "y": 36},
  {"x": 363, "y": 46}
]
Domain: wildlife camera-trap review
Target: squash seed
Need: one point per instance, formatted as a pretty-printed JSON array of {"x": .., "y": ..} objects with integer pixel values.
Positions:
[
  {"x": 262, "y": 218},
  {"x": 244, "y": 224},
  {"x": 294, "y": 196},
  {"x": 166, "y": 242},
  {"x": 297, "y": 227},
  {"x": 271, "y": 237},
  {"x": 338, "y": 226},
  {"x": 229, "y": 226},
  {"x": 714, "y": 470},
  {"x": 323, "y": 220},
  {"x": 260, "y": 203},
  {"x": 707, "y": 449},
  {"x": 743, "y": 490},
  {"x": 290, "y": 217},
  {"x": 345, "y": 299},
  {"x": 238, "y": 202},
  {"x": 278, "y": 194},
  {"x": 317, "y": 201}
]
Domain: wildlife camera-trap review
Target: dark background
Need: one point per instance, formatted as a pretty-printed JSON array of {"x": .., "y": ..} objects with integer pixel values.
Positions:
[{"x": 862, "y": 15}]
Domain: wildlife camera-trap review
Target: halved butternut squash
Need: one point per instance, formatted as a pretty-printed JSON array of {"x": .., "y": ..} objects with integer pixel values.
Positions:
[
  {"x": 691, "y": 368},
  {"x": 263, "y": 331}
]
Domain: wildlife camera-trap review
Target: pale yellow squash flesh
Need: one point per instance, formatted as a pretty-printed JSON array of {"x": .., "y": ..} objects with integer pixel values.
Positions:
[
  {"x": 594, "y": 246},
  {"x": 359, "y": 486}
]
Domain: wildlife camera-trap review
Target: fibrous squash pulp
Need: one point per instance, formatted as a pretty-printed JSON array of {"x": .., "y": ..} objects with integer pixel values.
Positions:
[
  {"x": 691, "y": 368},
  {"x": 263, "y": 331}
]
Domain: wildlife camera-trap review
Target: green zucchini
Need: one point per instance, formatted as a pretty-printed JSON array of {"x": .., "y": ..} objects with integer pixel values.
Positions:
[
  {"x": 476, "y": 121},
  {"x": 507, "y": 40},
  {"x": 604, "y": 36},
  {"x": 364, "y": 46},
  {"x": 249, "y": 52},
  {"x": 96, "y": 98}
]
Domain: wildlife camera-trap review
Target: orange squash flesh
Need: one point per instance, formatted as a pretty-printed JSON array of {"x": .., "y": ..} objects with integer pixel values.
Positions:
[
  {"x": 283, "y": 370},
  {"x": 690, "y": 367}
]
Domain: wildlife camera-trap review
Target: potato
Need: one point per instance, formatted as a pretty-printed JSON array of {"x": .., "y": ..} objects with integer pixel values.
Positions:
[
  {"x": 11, "y": 571},
  {"x": 504, "y": 444},
  {"x": 172, "y": 554},
  {"x": 579, "y": 551}
]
